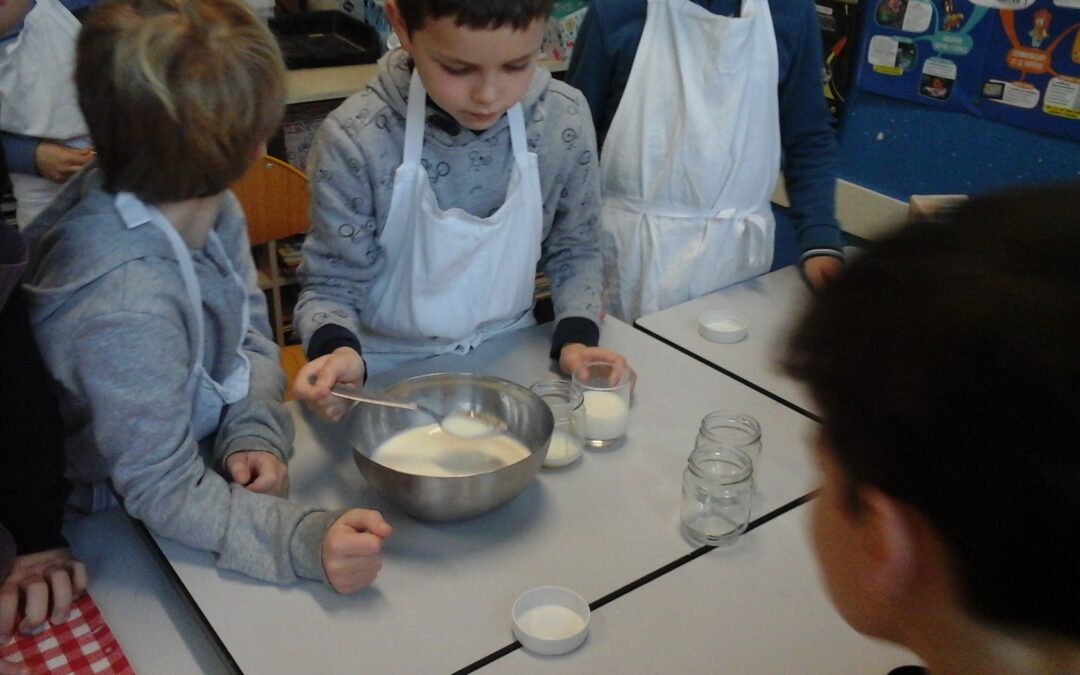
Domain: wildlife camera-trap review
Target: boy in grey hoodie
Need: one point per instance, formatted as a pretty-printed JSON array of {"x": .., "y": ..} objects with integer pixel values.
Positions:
[
  {"x": 437, "y": 193},
  {"x": 144, "y": 301}
]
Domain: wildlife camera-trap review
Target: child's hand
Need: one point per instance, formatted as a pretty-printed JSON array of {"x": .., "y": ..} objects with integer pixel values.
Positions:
[
  {"x": 315, "y": 379},
  {"x": 351, "y": 549},
  {"x": 574, "y": 355},
  {"x": 36, "y": 581},
  {"x": 10, "y": 668},
  {"x": 57, "y": 162},
  {"x": 820, "y": 270},
  {"x": 259, "y": 471}
]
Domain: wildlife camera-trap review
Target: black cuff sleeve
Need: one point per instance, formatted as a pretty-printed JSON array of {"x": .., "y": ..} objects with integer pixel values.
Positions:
[
  {"x": 328, "y": 338},
  {"x": 574, "y": 329}
]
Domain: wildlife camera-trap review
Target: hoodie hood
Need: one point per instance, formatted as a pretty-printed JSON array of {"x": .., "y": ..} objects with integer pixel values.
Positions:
[
  {"x": 83, "y": 230},
  {"x": 392, "y": 86}
]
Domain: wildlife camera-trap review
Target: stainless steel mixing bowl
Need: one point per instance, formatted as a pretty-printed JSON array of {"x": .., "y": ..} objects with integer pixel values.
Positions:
[{"x": 527, "y": 417}]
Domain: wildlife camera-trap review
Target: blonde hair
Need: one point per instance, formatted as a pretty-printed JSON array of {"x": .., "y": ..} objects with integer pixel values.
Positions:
[{"x": 177, "y": 94}]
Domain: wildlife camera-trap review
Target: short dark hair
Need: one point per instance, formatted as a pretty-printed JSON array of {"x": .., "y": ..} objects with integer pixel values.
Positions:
[
  {"x": 476, "y": 14},
  {"x": 177, "y": 94},
  {"x": 946, "y": 361}
]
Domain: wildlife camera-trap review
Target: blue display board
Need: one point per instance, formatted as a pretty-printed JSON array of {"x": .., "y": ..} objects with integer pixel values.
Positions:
[{"x": 1011, "y": 61}]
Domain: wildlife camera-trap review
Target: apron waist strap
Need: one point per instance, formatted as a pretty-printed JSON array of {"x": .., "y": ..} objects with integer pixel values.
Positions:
[
  {"x": 662, "y": 209},
  {"x": 665, "y": 210}
]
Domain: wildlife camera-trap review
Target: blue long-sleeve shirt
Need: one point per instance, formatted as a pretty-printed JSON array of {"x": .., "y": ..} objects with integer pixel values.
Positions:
[
  {"x": 19, "y": 151},
  {"x": 600, "y": 67}
]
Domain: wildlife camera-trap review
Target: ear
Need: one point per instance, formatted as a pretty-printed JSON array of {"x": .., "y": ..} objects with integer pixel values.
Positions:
[
  {"x": 398, "y": 24},
  {"x": 890, "y": 541}
]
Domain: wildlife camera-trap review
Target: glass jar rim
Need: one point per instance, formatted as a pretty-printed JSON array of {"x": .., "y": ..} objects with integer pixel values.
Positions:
[
  {"x": 547, "y": 390},
  {"x": 734, "y": 420},
  {"x": 729, "y": 453}
]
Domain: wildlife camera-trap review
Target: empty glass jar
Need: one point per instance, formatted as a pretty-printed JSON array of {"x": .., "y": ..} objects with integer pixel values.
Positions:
[
  {"x": 718, "y": 486},
  {"x": 735, "y": 429}
]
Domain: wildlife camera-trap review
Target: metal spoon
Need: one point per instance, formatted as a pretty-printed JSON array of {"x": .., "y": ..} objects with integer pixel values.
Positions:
[{"x": 460, "y": 423}]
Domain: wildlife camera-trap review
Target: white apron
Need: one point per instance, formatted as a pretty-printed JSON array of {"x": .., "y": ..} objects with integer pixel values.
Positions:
[
  {"x": 691, "y": 158},
  {"x": 452, "y": 280},
  {"x": 39, "y": 99},
  {"x": 209, "y": 397}
]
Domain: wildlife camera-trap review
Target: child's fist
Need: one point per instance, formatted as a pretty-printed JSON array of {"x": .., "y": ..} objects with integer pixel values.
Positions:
[{"x": 351, "y": 549}]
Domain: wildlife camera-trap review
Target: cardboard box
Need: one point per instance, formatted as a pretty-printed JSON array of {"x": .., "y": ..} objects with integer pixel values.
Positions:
[{"x": 934, "y": 208}]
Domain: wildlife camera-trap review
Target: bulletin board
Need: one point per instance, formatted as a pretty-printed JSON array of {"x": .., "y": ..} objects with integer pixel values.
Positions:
[{"x": 1010, "y": 61}]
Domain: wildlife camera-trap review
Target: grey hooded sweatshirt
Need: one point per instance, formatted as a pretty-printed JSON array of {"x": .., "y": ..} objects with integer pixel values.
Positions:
[
  {"x": 351, "y": 168},
  {"x": 116, "y": 329}
]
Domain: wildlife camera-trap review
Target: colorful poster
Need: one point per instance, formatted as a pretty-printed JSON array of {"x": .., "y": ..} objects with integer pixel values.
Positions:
[{"x": 1013, "y": 61}]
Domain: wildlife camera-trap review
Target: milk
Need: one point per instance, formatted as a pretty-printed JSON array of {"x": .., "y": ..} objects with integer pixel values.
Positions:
[
  {"x": 563, "y": 449},
  {"x": 606, "y": 415},
  {"x": 463, "y": 426},
  {"x": 431, "y": 451},
  {"x": 551, "y": 622}
]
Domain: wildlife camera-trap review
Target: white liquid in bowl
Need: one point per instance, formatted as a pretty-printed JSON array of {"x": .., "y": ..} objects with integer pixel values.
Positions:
[{"x": 431, "y": 451}]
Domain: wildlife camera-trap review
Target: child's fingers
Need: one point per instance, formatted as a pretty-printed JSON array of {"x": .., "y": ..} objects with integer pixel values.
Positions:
[
  {"x": 305, "y": 386},
  {"x": 365, "y": 520},
  {"x": 79, "y": 578},
  {"x": 239, "y": 469},
  {"x": 60, "y": 585},
  {"x": 36, "y": 606},
  {"x": 355, "y": 575},
  {"x": 9, "y": 668},
  {"x": 9, "y": 606},
  {"x": 272, "y": 483}
]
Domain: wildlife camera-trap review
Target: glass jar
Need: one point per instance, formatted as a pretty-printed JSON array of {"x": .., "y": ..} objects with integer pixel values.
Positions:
[
  {"x": 734, "y": 429},
  {"x": 568, "y": 409},
  {"x": 718, "y": 486}
]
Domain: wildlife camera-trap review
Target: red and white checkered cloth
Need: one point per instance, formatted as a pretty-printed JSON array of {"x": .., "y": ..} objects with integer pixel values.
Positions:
[{"x": 83, "y": 645}]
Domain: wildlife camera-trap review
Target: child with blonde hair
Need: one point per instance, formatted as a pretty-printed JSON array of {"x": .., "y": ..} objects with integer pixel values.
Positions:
[{"x": 144, "y": 298}]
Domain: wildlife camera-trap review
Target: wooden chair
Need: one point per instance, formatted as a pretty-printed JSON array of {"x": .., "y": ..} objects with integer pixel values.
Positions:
[{"x": 274, "y": 196}]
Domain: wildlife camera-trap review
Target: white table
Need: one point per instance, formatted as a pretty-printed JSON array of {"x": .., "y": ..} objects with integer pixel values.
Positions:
[
  {"x": 771, "y": 303},
  {"x": 443, "y": 598},
  {"x": 156, "y": 625},
  {"x": 753, "y": 607}
]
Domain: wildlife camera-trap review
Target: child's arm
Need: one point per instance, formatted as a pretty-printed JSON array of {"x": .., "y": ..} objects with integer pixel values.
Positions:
[
  {"x": 341, "y": 259},
  {"x": 19, "y": 152},
  {"x": 570, "y": 255},
  {"x": 809, "y": 146},
  {"x": 259, "y": 422},
  {"x": 133, "y": 378}
]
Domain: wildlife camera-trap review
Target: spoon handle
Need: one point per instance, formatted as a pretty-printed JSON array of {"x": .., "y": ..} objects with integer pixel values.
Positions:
[{"x": 375, "y": 399}]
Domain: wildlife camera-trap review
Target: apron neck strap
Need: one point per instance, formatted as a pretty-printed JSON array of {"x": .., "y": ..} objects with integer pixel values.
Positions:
[
  {"x": 414, "y": 120},
  {"x": 414, "y": 123},
  {"x": 187, "y": 272},
  {"x": 517, "y": 129}
]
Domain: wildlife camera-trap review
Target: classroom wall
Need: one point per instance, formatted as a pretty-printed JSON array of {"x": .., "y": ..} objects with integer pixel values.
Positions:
[{"x": 900, "y": 148}]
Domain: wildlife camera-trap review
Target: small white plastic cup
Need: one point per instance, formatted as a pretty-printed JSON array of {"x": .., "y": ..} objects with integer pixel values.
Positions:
[
  {"x": 722, "y": 326},
  {"x": 550, "y": 620}
]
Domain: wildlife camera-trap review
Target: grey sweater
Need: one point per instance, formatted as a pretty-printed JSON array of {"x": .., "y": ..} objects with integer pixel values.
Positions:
[
  {"x": 115, "y": 326},
  {"x": 360, "y": 146}
]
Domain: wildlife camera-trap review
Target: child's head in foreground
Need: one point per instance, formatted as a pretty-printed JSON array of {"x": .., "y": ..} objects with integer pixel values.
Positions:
[
  {"x": 475, "y": 58},
  {"x": 946, "y": 361},
  {"x": 179, "y": 95}
]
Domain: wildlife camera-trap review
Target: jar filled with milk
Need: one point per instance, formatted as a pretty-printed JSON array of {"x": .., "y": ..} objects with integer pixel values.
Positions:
[{"x": 568, "y": 409}]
